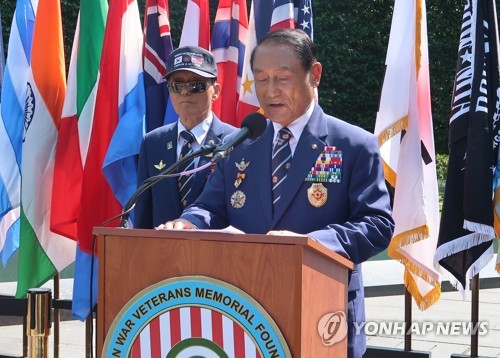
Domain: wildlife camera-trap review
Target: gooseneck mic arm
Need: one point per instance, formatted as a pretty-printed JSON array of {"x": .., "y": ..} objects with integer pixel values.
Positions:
[{"x": 149, "y": 182}]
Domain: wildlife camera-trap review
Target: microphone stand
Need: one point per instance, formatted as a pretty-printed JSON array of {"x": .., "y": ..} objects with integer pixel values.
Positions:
[{"x": 149, "y": 182}]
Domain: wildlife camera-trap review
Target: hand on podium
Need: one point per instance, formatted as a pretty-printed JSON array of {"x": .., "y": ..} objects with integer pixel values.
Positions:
[
  {"x": 177, "y": 224},
  {"x": 283, "y": 233}
]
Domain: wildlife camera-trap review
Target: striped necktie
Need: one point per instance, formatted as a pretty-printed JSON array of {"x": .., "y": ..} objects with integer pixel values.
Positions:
[
  {"x": 282, "y": 156},
  {"x": 185, "y": 181}
]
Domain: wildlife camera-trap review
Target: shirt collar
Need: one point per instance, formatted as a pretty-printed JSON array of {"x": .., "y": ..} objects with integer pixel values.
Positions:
[
  {"x": 199, "y": 131},
  {"x": 297, "y": 126}
]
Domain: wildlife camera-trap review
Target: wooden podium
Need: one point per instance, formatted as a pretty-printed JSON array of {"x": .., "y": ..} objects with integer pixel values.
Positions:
[{"x": 295, "y": 279}]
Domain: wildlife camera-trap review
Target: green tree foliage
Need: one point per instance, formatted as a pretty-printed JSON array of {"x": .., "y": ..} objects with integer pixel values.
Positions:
[
  {"x": 7, "y": 8},
  {"x": 441, "y": 167},
  {"x": 444, "y": 20},
  {"x": 69, "y": 14},
  {"x": 352, "y": 38}
]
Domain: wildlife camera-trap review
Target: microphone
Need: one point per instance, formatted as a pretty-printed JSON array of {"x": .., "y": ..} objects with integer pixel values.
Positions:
[{"x": 252, "y": 127}]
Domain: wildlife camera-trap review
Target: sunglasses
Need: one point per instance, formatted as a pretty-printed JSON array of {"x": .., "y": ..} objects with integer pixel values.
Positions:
[{"x": 192, "y": 87}]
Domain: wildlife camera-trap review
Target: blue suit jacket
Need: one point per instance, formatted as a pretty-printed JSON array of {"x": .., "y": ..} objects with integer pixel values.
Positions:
[
  {"x": 355, "y": 221},
  {"x": 161, "y": 202}
]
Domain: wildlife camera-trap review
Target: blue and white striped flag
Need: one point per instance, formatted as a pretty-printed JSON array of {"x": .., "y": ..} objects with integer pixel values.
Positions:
[{"x": 12, "y": 124}]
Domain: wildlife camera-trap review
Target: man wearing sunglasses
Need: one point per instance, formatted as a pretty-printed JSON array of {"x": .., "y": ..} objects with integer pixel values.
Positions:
[{"x": 193, "y": 87}]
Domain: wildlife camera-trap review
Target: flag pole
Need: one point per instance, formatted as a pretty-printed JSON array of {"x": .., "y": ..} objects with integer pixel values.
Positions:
[
  {"x": 474, "y": 341},
  {"x": 88, "y": 335},
  {"x": 57, "y": 316},
  {"x": 408, "y": 318}
]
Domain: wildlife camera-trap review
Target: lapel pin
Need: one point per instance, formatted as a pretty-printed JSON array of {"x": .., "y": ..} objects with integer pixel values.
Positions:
[
  {"x": 242, "y": 166},
  {"x": 160, "y": 165},
  {"x": 210, "y": 155},
  {"x": 169, "y": 145}
]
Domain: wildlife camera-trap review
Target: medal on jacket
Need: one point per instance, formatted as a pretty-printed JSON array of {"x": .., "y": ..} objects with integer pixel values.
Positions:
[
  {"x": 317, "y": 195},
  {"x": 328, "y": 167},
  {"x": 239, "y": 179},
  {"x": 240, "y": 176},
  {"x": 238, "y": 199}
]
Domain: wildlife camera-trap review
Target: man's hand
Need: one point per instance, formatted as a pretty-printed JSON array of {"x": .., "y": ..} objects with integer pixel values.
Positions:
[
  {"x": 177, "y": 224},
  {"x": 283, "y": 233}
]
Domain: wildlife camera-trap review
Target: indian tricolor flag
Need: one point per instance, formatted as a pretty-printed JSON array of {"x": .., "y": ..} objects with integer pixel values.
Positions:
[
  {"x": 12, "y": 123},
  {"x": 42, "y": 253},
  {"x": 405, "y": 134}
]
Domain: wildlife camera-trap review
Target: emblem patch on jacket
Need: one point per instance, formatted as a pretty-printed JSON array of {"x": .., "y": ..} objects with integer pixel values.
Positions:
[{"x": 328, "y": 167}]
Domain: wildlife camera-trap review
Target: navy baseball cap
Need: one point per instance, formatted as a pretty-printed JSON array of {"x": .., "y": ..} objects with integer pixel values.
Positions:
[{"x": 194, "y": 59}]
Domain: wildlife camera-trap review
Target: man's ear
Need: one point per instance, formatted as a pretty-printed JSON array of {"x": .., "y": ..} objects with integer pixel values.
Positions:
[
  {"x": 315, "y": 72},
  {"x": 217, "y": 90}
]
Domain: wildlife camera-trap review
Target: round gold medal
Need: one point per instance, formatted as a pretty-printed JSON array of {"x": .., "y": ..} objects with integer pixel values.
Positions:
[{"x": 317, "y": 195}]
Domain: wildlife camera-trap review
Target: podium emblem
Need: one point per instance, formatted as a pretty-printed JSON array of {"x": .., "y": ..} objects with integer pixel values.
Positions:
[{"x": 194, "y": 316}]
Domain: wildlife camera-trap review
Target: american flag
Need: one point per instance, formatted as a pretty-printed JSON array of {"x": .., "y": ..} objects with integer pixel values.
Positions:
[
  {"x": 304, "y": 16},
  {"x": 283, "y": 15},
  {"x": 293, "y": 14}
]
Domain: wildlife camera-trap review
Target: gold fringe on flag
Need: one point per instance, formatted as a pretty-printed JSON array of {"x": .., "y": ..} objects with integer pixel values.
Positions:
[
  {"x": 418, "y": 36},
  {"x": 390, "y": 175},
  {"x": 384, "y": 136},
  {"x": 392, "y": 130},
  {"x": 407, "y": 238},
  {"x": 423, "y": 302}
]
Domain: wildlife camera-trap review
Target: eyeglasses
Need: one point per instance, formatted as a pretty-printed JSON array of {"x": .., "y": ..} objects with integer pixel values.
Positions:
[{"x": 192, "y": 87}]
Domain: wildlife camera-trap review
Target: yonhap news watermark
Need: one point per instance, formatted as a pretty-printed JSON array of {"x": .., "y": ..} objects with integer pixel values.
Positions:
[
  {"x": 439, "y": 328},
  {"x": 332, "y": 328}
]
